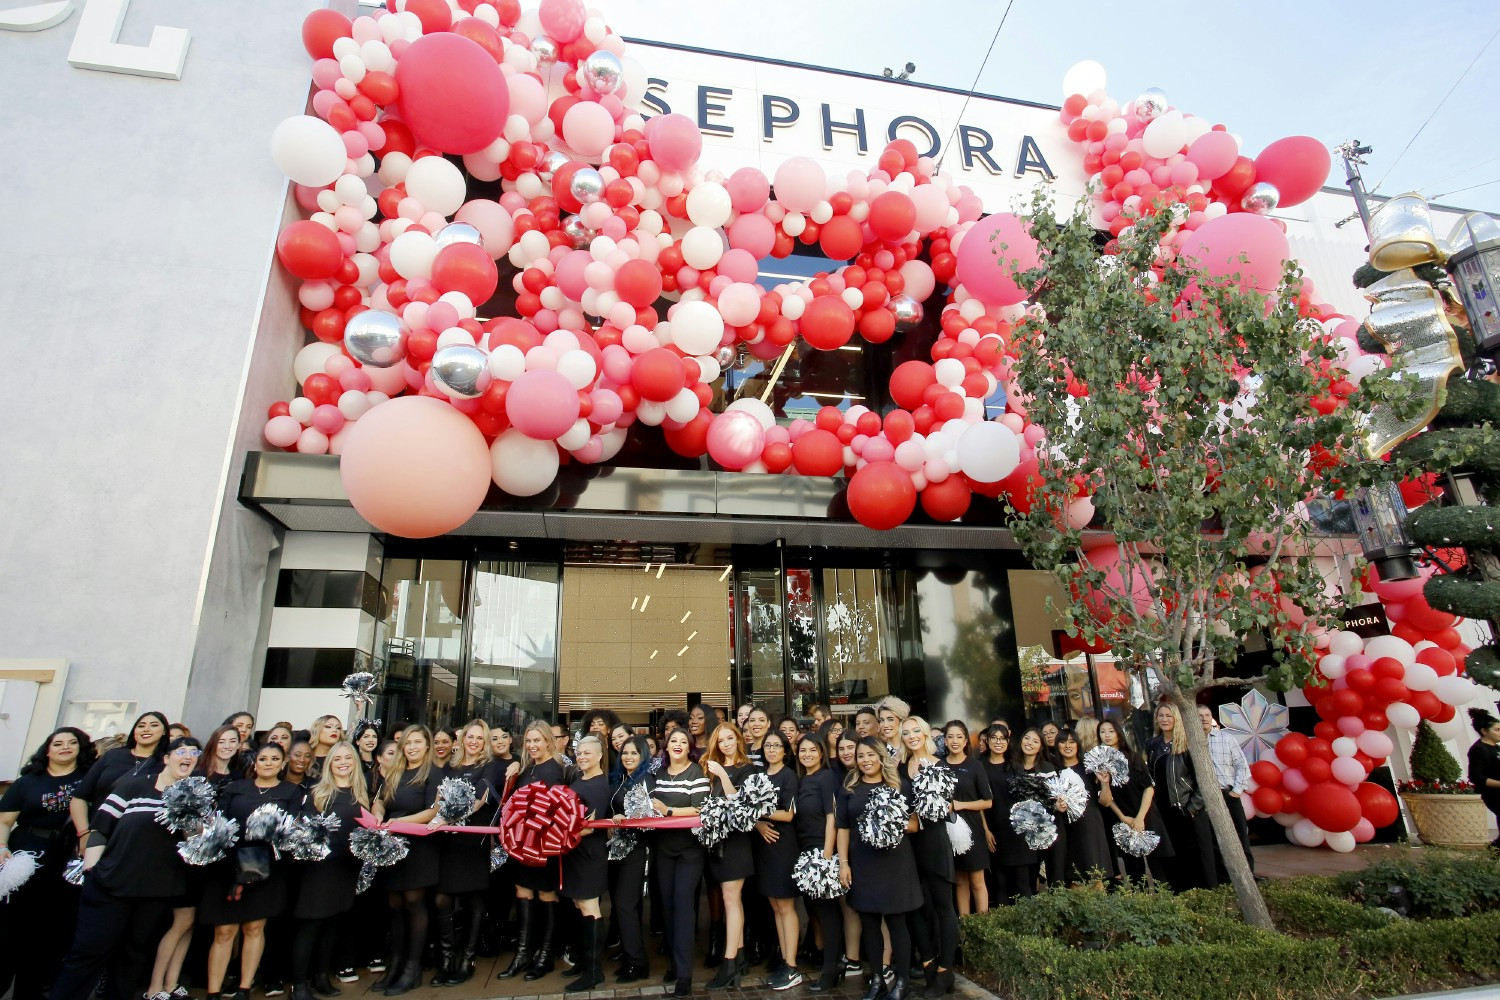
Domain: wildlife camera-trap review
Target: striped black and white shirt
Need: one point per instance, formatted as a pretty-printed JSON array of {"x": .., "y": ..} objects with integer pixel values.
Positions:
[
  {"x": 140, "y": 855},
  {"x": 687, "y": 788}
]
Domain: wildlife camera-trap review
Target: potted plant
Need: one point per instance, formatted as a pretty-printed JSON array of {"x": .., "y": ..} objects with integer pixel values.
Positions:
[{"x": 1446, "y": 809}]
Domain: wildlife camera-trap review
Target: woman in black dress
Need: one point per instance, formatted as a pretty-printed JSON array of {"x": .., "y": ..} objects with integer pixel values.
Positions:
[
  {"x": 409, "y": 795},
  {"x": 36, "y": 921},
  {"x": 500, "y": 893},
  {"x": 1194, "y": 864},
  {"x": 701, "y": 722},
  {"x": 628, "y": 875},
  {"x": 140, "y": 757},
  {"x": 813, "y": 824},
  {"x": 972, "y": 799},
  {"x": 232, "y": 906},
  {"x": 326, "y": 890},
  {"x": 134, "y": 873},
  {"x": 299, "y": 762},
  {"x": 1134, "y": 804},
  {"x": 536, "y": 888},
  {"x": 464, "y": 865},
  {"x": 883, "y": 883},
  {"x": 1012, "y": 862},
  {"x": 842, "y": 765},
  {"x": 775, "y": 854},
  {"x": 1484, "y": 761},
  {"x": 678, "y": 789},
  {"x": 1033, "y": 757},
  {"x": 1088, "y": 844},
  {"x": 935, "y": 923},
  {"x": 326, "y": 731},
  {"x": 585, "y": 869},
  {"x": 731, "y": 862}
]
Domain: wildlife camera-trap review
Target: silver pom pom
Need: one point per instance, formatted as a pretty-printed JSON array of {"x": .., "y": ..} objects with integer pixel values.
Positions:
[
  {"x": 273, "y": 825},
  {"x": 1065, "y": 785},
  {"x": 932, "y": 788},
  {"x": 755, "y": 800},
  {"x": 1033, "y": 821},
  {"x": 455, "y": 799},
  {"x": 1136, "y": 843},
  {"x": 715, "y": 821},
  {"x": 211, "y": 843},
  {"x": 359, "y": 687},
  {"x": 311, "y": 837},
  {"x": 817, "y": 877},
  {"x": 960, "y": 835},
  {"x": 621, "y": 843},
  {"x": 1107, "y": 761},
  {"x": 73, "y": 872},
  {"x": 377, "y": 849},
  {"x": 17, "y": 869},
  {"x": 498, "y": 856},
  {"x": 186, "y": 805},
  {"x": 883, "y": 823}
]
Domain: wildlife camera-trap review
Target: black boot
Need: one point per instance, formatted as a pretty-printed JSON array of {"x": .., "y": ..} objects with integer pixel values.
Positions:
[
  {"x": 729, "y": 974},
  {"x": 410, "y": 979},
  {"x": 522, "y": 958},
  {"x": 302, "y": 991},
  {"x": 541, "y": 962},
  {"x": 715, "y": 955},
  {"x": 392, "y": 968},
  {"x": 876, "y": 987},
  {"x": 826, "y": 982},
  {"x": 898, "y": 990},
  {"x": 323, "y": 986},
  {"x": 590, "y": 958}
]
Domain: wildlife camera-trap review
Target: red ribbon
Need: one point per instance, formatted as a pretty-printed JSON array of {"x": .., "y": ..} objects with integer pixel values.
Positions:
[{"x": 367, "y": 820}]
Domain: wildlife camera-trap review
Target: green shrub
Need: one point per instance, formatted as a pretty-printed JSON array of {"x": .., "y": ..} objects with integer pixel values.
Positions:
[
  {"x": 1093, "y": 918},
  {"x": 1299, "y": 909},
  {"x": 1430, "y": 760},
  {"x": 1433, "y": 883}
]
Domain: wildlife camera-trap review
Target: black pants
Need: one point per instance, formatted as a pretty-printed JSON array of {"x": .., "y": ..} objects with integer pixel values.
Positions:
[
  {"x": 872, "y": 945},
  {"x": 831, "y": 919},
  {"x": 1011, "y": 882},
  {"x": 115, "y": 933},
  {"x": 936, "y": 923},
  {"x": 312, "y": 947},
  {"x": 36, "y": 928},
  {"x": 1242, "y": 827},
  {"x": 679, "y": 868},
  {"x": 625, "y": 902},
  {"x": 1195, "y": 865}
]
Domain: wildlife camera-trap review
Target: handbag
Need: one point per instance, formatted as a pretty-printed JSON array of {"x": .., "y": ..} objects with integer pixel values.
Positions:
[{"x": 252, "y": 863}]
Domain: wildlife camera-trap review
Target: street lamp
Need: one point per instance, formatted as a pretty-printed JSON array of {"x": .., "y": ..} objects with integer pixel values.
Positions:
[
  {"x": 1475, "y": 266},
  {"x": 905, "y": 74},
  {"x": 1380, "y": 521}
]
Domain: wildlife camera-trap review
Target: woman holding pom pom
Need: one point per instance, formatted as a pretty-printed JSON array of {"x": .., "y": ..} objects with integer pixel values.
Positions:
[
  {"x": 731, "y": 862},
  {"x": 1134, "y": 804},
  {"x": 883, "y": 882},
  {"x": 936, "y": 922},
  {"x": 775, "y": 851},
  {"x": 464, "y": 867},
  {"x": 971, "y": 799},
  {"x": 409, "y": 791},
  {"x": 1012, "y": 861},
  {"x": 813, "y": 822},
  {"x": 1088, "y": 844},
  {"x": 326, "y": 888}
]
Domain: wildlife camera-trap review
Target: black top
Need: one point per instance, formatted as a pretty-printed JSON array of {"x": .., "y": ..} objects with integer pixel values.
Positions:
[
  {"x": 1010, "y": 847},
  {"x": 412, "y": 798},
  {"x": 757, "y": 757},
  {"x": 785, "y": 782},
  {"x": 347, "y": 808},
  {"x": 486, "y": 798},
  {"x": 973, "y": 782},
  {"x": 1484, "y": 762},
  {"x": 619, "y": 791},
  {"x": 549, "y": 772},
  {"x": 1128, "y": 796},
  {"x": 108, "y": 771},
  {"x": 594, "y": 793},
  {"x": 140, "y": 855},
  {"x": 816, "y": 800},
  {"x": 42, "y": 801},
  {"x": 737, "y": 775},
  {"x": 494, "y": 776},
  {"x": 244, "y": 796}
]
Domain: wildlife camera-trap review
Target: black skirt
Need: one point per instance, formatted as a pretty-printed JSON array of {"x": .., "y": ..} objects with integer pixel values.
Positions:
[
  {"x": 774, "y": 863},
  {"x": 463, "y": 862},
  {"x": 326, "y": 888},
  {"x": 732, "y": 858},
  {"x": 418, "y": 870},
  {"x": 585, "y": 869},
  {"x": 259, "y": 901},
  {"x": 977, "y": 857},
  {"x": 540, "y": 879}
]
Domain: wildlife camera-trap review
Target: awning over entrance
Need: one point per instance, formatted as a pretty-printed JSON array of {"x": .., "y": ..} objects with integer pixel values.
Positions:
[{"x": 304, "y": 493}]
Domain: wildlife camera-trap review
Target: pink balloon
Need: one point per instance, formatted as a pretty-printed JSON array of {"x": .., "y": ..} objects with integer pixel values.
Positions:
[
  {"x": 527, "y": 96},
  {"x": 1218, "y": 245},
  {"x": 1364, "y": 831},
  {"x": 562, "y": 19},
  {"x": 735, "y": 439},
  {"x": 588, "y": 128},
  {"x": 1107, "y": 558},
  {"x": 1347, "y": 770},
  {"x": 674, "y": 141},
  {"x": 328, "y": 418},
  {"x": 496, "y": 228},
  {"x": 415, "y": 467},
  {"x": 1350, "y": 725},
  {"x": 1375, "y": 744},
  {"x": 737, "y": 265},
  {"x": 283, "y": 431},
  {"x": 800, "y": 184},
  {"x": 1298, "y": 165},
  {"x": 542, "y": 405},
  {"x": 607, "y": 406},
  {"x": 570, "y": 273},
  {"x": 1213, "y": 153},
  {"x": 985, "y": 269},
  {"x": 754, "y": 234},
  {"x": 453, "y": 96},
  {"x": 748, "y": 189},
  {"x": 739, "y": 304}
]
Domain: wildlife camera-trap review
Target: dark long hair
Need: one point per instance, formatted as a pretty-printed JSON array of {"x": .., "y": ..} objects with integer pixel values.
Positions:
[
  {"x": 37, "y": 764},
  {"x": 1046, "y": 759},
  {"x": 206, "y": 762},
  {"x": 160, "y": 753},
  {"x": 818, "y": 745},
  {"x": 643, "y": 769}
]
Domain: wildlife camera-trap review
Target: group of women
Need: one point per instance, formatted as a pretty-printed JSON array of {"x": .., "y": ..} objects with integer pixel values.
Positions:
[{"x": 135, "y": 916}]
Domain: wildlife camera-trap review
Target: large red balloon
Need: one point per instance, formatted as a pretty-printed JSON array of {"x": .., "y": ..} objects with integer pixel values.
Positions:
[
  {"x": 1266, "y": 774},
  {"x": 310, "y": 250},
  {"x": 638, "y": 282},
  {"x": 1298, "y": 165},
  {"x": 1267, "y": 800},
  {"x": 827, "y": 322},
  {"x": 892, "y": 216},
  {"x": 321, "y": 29},
  {"x": 909, "y": 383},
  {"x": 947, "y": 500},
  {"x": 1291, "y": 749},
  {"x": 691, "y": 439},
  {"x": 453, "y": 95},
  {"x": 1332, "y": 806},
  {"x": 1376, "y": 804},
  {"x": 658, "y": 374},
  {"x": 1021, "y": 485},
  {"x": 840, "y": 238},
  {"x": 466, "y": 268},
  {"x": 881, "y": 495},
  {"x": 818, "y": 453}
]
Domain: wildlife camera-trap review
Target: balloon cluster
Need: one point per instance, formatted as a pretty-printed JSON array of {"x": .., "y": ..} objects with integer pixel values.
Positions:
[{"x": 1362, "y": 689}]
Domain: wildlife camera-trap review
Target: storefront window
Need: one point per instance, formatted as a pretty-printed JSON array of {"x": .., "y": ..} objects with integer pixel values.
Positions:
[
  {"x": 513, "y": 642},
  {"x": 758, "y": 608},
  {"x": 966, "y": 668},
  {"x": 420, "y": 648},
  {"x": 854, "y": 635}
]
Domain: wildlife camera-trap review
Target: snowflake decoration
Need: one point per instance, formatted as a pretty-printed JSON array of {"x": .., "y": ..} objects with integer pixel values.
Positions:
[{"x": 1256, "y": 723}]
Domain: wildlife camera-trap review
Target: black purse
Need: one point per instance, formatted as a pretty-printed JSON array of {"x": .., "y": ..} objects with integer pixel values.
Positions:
[{"x": 252, "y": 863}]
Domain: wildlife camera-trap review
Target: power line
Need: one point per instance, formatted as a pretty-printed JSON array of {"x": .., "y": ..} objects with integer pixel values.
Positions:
[
  {"x": 983, "y": 62},
  {"x": 1457, "y": 173},
  {"x": 1469, "y": 188},
  {"x": 1436, "y": 110}
]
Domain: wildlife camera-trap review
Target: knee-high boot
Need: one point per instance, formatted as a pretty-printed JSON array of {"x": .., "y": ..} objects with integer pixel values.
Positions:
[
  {"x": 541, "y": 962},
  {"x": 525, "y": 909}
]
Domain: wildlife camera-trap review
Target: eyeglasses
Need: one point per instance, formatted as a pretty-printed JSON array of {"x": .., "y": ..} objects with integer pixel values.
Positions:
[{"x": 189, "y": 752}]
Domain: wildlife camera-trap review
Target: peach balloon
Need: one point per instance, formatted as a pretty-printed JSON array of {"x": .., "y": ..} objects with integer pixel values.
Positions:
[{"x": 415, "y": 467}]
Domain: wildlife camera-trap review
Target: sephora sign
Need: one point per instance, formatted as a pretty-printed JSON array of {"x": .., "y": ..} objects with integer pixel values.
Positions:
[{"x": 96, "y": 42}]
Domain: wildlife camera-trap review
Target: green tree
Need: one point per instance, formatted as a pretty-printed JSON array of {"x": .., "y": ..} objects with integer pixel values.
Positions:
[{"x": 1181, "y": 405}]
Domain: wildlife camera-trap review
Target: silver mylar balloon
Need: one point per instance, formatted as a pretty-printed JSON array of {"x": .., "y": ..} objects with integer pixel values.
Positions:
[
  {"x": 551, "y": 163},
  {"x": 375, "y": 338},
  {"x": 907, "y": 310},
  {"x": 545, "y": 49},
  {"x": 461, "y": 372},
  {"x": 580, "y": 235},
  {"x": 725, "y": 356},
  {"x": 603, "y": 72},
  {"x": 1150, "y": 103},
  {"x": 587, "y": 185},
  {"x": 1262, "y": 198},
  {"x": 458, "y": 232}
]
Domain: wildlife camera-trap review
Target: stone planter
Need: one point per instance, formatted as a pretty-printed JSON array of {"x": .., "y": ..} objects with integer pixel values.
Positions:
[{"x": 1449, "y": 820}]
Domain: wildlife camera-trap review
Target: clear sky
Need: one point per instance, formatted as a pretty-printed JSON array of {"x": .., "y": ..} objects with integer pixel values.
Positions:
[{"x": 1372, "y": 71}]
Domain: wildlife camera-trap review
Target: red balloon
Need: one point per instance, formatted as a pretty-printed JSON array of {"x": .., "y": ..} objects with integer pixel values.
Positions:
[
  {"x": 321, "y": 29},
  {"x": 435, "y": 15},
  {"x": 1346, "y": 702},
  {"x": 1266, "y": 774},
  {"x": 453, "y": 95},
  {"x": 909, "y": 382},
  {"x": 827, "y": 322},
  {"x": 638, "y": 282},
  {"x": 1237, "y": 179},
  {"x": 1427, "y": 704},
  {"x": 1388, "y": 690},
  {"x": 1332, "y": 806},
  {"x": 899, "y": 426},
  {"x": 1376, "y": 804},
  {"x": 1388, "y": 666},
  {"x": 1425, "y": 618},
  {"x": 1444, "y": 714},
  {"x": 1326, "y": 730},
  {"x": 657, "y": 375},
  {"x": 310, "y": 250},
  {"x": 881, "y": 495},
  {"x": 947, "y": 500},
  {"x": 892, "y": 216},
  {"x": 516, "y": 332},
  {"x": 1021, "y": 485},
  {"x": 482, "y": 34},
  {"x": 1375, "y": 719},
  {"x": 691, "y": 439},
  {"x": 1298, "y": 165},
  {"x": 466, "y": 268},
  {"x": 818, "y": 453},
  {"x": 1360, "y": 680},
  {"x": 840, "y": 238},
  {"x": 1318, "y": 748},
  {"x": 1316, "y": 770},
  {"x": 1267, "y": 800}
]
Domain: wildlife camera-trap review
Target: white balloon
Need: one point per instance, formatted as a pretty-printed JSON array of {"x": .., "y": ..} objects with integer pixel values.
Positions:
[
  {"x": 412, "y": 254},
  {"x": 309, "y": 150},
  {"x": 683, "y": 406},
  {"x": 577, "y": 436},
  {"x": 1402, "y": 716},
  {"x": 1345, "y": 644},
  {"x": 311, "y": 359},
  {"x": 696, "y": 327},
  {"x": 578, "y": 367},
  {"x": 1307, "y": 833},
  {"x": 507, "y": 363},
  {"x": 522, "y": 466},
  {"x": 1452, "y": 690},
  {"x": 1341, "y": 841},
  {"x": 1421, "y": 677},
  {"x": 950, "y": 372},
  {"x": 988, "y": 452},
  {"x": 301, "y": 409},
  {"x": 702, "y": 247},
  {"x": 1084, "y": 78},
  {"x": 1389, "y": 645},
  {"x": 1332, "y": 666},
  {"x": 1345, "y": 747},
  {"x": 760, "y": 411},
  {"x": 437, "y": 184},
  {"x": 709, "y": 205}
]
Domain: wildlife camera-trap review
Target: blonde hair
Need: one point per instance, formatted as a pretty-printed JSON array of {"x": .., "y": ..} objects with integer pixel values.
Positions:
[
  {"x": 1087, "y": 730},
  {"x": 897, "y": 707},
  {"x": 395, "y": 772},
  {"x": 1179, "y": 735},
  {"x": 485, "y": 756},
  {"x": 317, "y": 726},
  {"x": 327, "y": 787},
  {"x": 888, "y": 772},
  {"x": 928, "y": 745},
  {"x": 547, "y": 741},
  {"x": 713, "y": 754}
]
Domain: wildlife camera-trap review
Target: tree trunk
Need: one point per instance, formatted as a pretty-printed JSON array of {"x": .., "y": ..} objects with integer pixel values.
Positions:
[{"x": 1246, "y": 892}]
